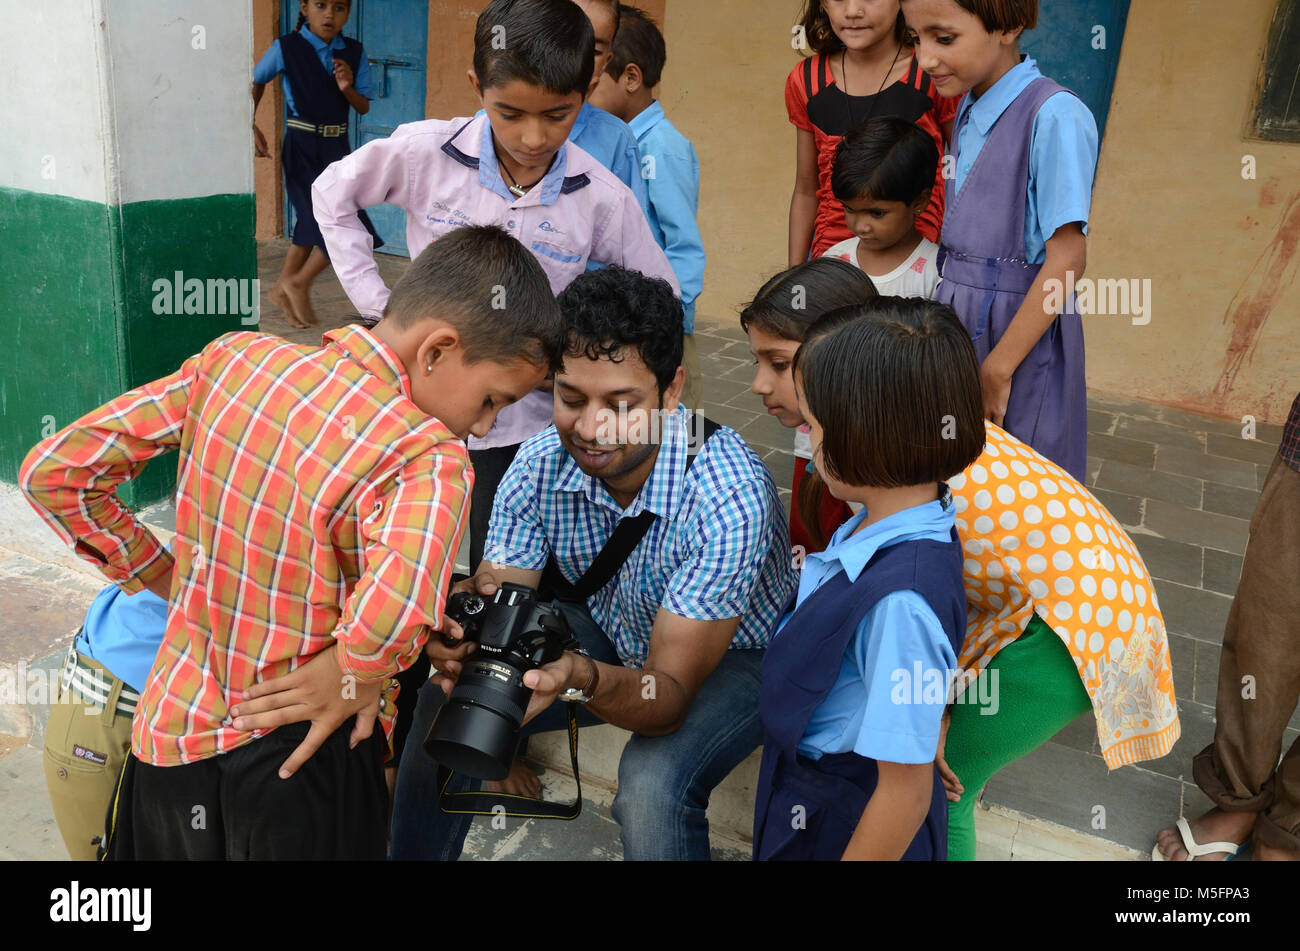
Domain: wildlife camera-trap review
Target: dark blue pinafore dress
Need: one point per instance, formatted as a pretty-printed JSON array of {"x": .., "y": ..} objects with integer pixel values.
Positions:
[
  {"x": 318, "y": 100},
  {"x": 806, "y": 809},
  {"x": 985, "y": 277}
]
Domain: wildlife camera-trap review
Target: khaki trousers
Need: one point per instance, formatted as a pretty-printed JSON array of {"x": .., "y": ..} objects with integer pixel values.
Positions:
[{"x": 85, "y": 746}]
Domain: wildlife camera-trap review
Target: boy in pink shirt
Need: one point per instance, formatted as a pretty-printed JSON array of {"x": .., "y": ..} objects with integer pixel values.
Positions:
[{"x": 511, "y": 167}]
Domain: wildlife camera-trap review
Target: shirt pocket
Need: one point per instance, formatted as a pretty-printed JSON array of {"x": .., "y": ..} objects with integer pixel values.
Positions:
[{"x": 558, "y": 253}]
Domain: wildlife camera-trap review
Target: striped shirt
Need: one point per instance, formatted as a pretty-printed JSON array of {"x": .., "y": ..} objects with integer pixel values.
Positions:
[
  {"x": 719, "y": 548},
  {"x": 316, "y": 503}
]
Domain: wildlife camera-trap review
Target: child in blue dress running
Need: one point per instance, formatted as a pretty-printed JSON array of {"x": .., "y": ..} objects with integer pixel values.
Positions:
[
  {"x": 325, "y": 75},
  {"x": 855, "y": 681}
]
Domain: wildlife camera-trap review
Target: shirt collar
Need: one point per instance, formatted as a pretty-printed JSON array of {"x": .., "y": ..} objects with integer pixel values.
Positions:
[
  {"x": 489, "y": 171},
  {"x": 661, "y": 492},
  {"x": 852, "y": 552},
  {"x": 647, "y": 119},
  {"x": 319, "y": 44},
  {"x": 373, "y": 354},
  {"x": 986, "y": 110}
]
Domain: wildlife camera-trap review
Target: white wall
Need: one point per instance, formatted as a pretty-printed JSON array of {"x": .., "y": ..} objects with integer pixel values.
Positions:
[
  {"x": 118, "y": 95},
  {"x": 183, "y": 115},
  {"x": 51, "y": 104}
]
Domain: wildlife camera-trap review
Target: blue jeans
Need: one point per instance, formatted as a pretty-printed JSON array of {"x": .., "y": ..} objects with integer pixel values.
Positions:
[{"x": 664, "y": 782}]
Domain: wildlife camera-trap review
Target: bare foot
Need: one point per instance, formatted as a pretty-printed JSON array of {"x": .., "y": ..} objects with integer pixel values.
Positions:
[
  {"x": 522, "y": 781},
  {"x": 300, "y": 298},
  {"x": 277, "y": 296},
  {"x": 1269, "y": 853},
  {"x": 1215, "y": 826}
]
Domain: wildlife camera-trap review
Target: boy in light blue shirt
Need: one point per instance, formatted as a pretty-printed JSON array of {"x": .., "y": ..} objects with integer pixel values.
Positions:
[{"x": 668, "y": 163}]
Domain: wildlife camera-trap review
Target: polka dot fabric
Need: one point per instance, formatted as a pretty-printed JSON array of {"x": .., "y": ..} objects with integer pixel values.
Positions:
[{"x": 1035, "y": 539}]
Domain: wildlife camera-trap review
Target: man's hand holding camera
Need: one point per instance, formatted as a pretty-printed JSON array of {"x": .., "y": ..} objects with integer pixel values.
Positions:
[{"x": 447, "y": 649}]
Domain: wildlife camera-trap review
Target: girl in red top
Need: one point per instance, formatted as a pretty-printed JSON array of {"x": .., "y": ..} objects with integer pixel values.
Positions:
[{"x": 863, "y": 68}]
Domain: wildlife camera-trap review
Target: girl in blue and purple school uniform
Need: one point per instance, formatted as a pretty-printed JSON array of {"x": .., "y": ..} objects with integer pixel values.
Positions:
[
  {"x": 848, "y": 769},
  {"x": 325, "y": 75},
  {"x": 1025, "y": 153}
]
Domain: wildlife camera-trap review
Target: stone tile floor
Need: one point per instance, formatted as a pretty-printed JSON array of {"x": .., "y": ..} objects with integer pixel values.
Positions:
[{"x": 1183, "y": 485}]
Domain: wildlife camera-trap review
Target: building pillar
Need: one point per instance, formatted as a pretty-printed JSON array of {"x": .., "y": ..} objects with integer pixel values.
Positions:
[{"x": 126, "y": 207}]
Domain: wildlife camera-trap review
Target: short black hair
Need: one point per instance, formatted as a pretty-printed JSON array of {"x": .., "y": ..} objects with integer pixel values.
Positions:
[
  {"x": 789, "y": 303},
  {"x": 547, "y": 43},
  {"x": 888, "y": 158},
  {"x": 491, "y": 289},
  {"x": 1000, "y": 15},
  {"x": 615, "y": 309},
  {"x": 895, "y": 385},
  {"x": 638, "y": 41}
]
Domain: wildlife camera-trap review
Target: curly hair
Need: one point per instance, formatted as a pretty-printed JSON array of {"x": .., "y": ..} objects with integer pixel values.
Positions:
[{"x": 614, "y": 309}]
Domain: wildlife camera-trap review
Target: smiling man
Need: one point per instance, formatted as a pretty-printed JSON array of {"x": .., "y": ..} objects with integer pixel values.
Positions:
[{"x": 675, "y": 640}]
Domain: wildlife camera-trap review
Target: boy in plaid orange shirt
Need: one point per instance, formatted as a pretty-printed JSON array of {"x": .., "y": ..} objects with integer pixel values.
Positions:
[{"x": 322, "y": 496}]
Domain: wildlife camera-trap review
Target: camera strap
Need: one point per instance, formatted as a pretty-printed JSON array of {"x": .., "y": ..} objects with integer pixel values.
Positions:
[
  {"x": 499, "y": 804},
  {"x": 555, "y": 587},
  {"x": 615, "y": 553}
]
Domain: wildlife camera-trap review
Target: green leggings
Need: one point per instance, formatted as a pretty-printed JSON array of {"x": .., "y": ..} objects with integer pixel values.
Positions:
[{"x": 1035, "y": 688}]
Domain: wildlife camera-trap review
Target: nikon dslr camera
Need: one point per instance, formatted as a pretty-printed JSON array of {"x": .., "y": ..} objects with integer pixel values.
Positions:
[{"x": 477, "y": 730}]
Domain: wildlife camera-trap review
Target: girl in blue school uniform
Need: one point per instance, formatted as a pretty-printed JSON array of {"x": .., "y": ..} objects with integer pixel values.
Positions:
[
  {"x": 855, "y": 681},
  {"x": 325, "y": 75},
  {"x": 1015, "y": 219}
]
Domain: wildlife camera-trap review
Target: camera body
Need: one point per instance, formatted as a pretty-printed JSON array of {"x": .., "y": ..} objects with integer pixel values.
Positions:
[{"x": 476, "y": 731}]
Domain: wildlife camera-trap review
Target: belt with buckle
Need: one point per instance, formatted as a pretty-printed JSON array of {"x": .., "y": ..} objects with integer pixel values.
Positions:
[
  {"x": 92, "y": 685},
  {"x": 328, "y": 131}
]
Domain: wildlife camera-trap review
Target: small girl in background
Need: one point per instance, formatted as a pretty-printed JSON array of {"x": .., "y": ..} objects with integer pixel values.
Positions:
[
  {"x": 848, "y": 768},
  {"x": 883, "y": 176},
  {"x": 862, "y": 69},
  {"x": 775, "y": 322},
  {"x": 325, "y": 74},
  {"x": 1025, "y": 153}
]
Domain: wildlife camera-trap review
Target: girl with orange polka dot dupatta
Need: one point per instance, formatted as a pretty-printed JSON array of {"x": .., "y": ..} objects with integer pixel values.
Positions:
[{"x": 1062, "y": 617}]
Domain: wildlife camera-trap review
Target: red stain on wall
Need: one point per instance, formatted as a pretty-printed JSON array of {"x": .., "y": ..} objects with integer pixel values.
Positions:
[{"x": 1272, "y": 274}]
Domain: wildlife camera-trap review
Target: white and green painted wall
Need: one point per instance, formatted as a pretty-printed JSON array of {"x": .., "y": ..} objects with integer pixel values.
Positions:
[{"x": 126, "y": 189}]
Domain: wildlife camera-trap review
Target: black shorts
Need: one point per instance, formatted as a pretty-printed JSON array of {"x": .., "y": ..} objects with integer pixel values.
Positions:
[{"x": 235, "y": 805}]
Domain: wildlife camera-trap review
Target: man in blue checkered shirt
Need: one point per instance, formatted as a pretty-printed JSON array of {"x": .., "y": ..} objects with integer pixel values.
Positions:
[{"x": 676, "y": 638}]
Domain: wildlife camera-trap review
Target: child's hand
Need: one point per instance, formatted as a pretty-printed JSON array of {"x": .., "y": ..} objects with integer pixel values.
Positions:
[
  {"x": 316, "y": 691},
  {"x": 342, "y": 75},
  {"x": 995, "y": 381},
  {"x": 259, "y": 143},
  {"x": 952, "y": 786}
]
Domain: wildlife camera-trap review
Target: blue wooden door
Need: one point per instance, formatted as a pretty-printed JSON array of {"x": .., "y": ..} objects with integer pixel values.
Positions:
[
  {"x": 394, "y": 34},
  {"x": 1077, "y": 44}
]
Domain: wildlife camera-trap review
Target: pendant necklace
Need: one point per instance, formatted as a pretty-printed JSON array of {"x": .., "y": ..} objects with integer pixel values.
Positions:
[
  {"x": 874, "y": 99},
  {"x": 519, "y": 191}
]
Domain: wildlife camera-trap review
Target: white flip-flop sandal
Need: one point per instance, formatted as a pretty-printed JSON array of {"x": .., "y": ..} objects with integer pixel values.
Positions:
[{"x": 1195, "y": 848}]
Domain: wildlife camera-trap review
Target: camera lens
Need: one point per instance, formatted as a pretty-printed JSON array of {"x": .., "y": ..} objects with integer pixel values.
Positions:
[{"x": 477, "y": 730}]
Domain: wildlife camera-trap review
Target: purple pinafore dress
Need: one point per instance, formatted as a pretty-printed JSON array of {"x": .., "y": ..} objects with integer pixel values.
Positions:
[{"x": 985, "y": 276}]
